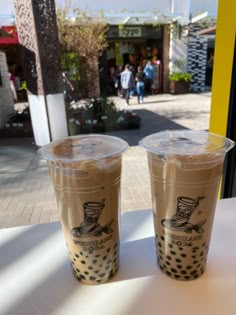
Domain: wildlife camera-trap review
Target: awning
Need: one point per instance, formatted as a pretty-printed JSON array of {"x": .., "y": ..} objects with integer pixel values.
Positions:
[{"x": 8, "y": 35}]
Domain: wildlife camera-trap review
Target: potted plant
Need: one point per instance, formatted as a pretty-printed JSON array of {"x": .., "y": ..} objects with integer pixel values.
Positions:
[{"x": 179, "y": 82}]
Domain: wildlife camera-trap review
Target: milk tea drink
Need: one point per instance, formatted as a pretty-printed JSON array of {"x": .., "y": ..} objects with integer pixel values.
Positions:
[
  {"x": 185, "y": 169},
  {"x": 85, "y": 172}
]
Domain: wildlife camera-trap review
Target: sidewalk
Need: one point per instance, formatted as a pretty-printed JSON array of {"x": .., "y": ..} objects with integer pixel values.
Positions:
[{"x": 26, "y": 193}]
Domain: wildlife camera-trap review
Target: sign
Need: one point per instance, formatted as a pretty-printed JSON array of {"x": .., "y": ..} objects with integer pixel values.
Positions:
[{"x": 131, "y": 31}]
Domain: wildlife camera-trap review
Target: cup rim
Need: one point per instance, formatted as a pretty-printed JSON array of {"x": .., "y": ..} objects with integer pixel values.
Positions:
[{"x": 167, "y": 136}]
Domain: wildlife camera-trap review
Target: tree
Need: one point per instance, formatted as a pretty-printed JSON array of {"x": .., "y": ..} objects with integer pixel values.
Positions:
[{"x": 83, "y": 40}]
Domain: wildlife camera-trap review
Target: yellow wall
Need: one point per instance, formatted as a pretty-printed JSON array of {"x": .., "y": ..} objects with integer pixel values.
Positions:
[{"x": 223, "y": 63}]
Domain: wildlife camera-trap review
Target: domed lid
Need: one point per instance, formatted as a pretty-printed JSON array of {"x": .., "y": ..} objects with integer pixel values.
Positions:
[
  {"x": 186, "y": 142},
  {"x": 83, "y": 147}
]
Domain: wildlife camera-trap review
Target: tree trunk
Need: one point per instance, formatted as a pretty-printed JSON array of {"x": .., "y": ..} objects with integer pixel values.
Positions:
[{"x": 92, "y": 75}]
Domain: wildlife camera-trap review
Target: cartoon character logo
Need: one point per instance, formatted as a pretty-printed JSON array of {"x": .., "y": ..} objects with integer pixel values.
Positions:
[
  {"x": 90, "y": 226},
  {"x": 184, "y": 211}
]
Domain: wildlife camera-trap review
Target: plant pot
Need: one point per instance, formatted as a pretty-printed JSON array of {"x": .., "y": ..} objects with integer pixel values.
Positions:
[{"x": 179, "y": 87}]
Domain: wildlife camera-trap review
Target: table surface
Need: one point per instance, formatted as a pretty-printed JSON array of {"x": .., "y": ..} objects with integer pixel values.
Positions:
[{"x": 36, "y": 277}]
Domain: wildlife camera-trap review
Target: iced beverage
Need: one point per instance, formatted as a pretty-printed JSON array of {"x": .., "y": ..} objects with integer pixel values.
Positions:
[
  {"x": 85, "y": 171},
  {"x": 185, "y": 169}
]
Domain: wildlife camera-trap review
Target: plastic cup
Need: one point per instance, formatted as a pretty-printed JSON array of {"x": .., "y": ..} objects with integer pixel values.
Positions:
[
  {"x": 185, "y": 169},
  {"x": 85, "y": 172}
]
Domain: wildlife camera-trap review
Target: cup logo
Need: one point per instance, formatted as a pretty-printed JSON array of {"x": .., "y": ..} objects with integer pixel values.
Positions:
[
  {"x": 184, "y": 210},
  {"x": 90, "y": 225}
]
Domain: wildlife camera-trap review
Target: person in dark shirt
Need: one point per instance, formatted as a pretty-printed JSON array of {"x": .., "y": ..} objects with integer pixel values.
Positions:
[{"x": 139, "y": 78}]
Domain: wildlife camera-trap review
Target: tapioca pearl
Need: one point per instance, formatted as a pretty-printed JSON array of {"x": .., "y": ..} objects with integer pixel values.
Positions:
[
  {"x": 81, "y": 254},
  {"x": 111, "y": 274},
  {"x": 186, "y": 277},
  {"x": 76, "y": 255},
  {"x": 159, "y": 244},
  {"x": 202, "y": 270},
  {"x": 161, "y": 258},
  {"x": 174, "y": 270},
  {"x": 201, "y": 254},
  {"x": 161, "y": 252},
  {"x": 108, "y": 267},
  {"x": 195, "y": 276},
  {"x": 77, "y": 269},
  {"x": 198, "y": 266},
  {"x": 109, "y": 260},
  {"x": 168, "y": 263},
  {"x": 98, "y": 255},
  {"x": 168, "y": 257},
  {"x": 115, "y": 246},
  {"x": 195, "y": 249},
  {"x": 189, "y": 267},
  {"x": 162, "y": 238},
  {"x": 82, "y": 277},
  {"x": 173, "y": 252},
  {"x": 116, "y": 269},
  {"x": 102, "y": 275},
  {"x": 164, "y": 266},
  {"x": 90, "y": 267},
  {"x": 170, "y": 245},
  {"x": 92, "y": 278},
  {"x": 183, "y": 255},
  {"x": 86, "y": 256},
  {"x": 83, "y": 262},
  {"x": 74, "y": 259},
  {"x": 104, "y": 257},
  {"x": 179, "y": 266},
  {"x": 183, "y": 272},
  {"x": 161, "y": 267},
  {"x": 194, "y": 256},
  {"x": 95, "y": 261},
  {"x": 193, "y": 272},
  {"x": 178, "y": 260},
  {"x": 177, "y": 276},
  {"x": 108, "y": 250},
  {"x": 96, "y": 271},
  {"x": 168, "y": 273},
  {"x": 180, "y": 248},
  {"x": 86, "y": 273},
  {"x": 72, "y": 263},
  {"x": 195, "y": 262}
]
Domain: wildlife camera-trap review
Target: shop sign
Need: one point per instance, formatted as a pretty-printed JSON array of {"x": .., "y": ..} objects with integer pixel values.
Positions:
[{"x": 130, "y": 31}]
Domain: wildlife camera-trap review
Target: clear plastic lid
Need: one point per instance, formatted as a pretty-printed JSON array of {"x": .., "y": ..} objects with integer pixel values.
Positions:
[
  {"x": 186, "y": 142},
  {"x": 82, "y": 148}
]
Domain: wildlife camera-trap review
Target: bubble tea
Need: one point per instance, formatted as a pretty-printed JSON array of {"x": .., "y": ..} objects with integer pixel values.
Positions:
[
  {"x": 85, "y": 171},
  {"x": 185, "y": 169}
]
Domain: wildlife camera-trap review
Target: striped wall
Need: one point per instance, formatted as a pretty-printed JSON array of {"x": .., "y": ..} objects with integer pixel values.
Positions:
[{"x": 197, "y": 58}]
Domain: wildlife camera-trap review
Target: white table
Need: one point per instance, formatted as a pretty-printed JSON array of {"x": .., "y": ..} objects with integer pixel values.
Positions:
[{"x": 36, "y": 277}]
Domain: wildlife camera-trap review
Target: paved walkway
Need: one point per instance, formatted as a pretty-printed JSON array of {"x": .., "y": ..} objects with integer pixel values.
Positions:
[{"x": 26, "y": 193}]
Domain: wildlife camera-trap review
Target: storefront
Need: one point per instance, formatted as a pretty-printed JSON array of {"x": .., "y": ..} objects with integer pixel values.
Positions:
[
  {"x": 135, "y": 45},
  {"x": 10, "y": 45}
]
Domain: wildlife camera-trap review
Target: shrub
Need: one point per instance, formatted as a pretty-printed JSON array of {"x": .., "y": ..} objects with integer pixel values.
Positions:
[{"x": 180, "y": 76}]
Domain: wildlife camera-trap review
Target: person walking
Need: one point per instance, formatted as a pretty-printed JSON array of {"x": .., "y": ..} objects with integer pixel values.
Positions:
[
  {"x": 139, "y": 78},
  {"x": 149, "y": 75},
  {"x": 127, "y": 82}
]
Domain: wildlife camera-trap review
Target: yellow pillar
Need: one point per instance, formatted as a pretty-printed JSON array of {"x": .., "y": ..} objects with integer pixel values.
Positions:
[{"x": 223, "y": 64}]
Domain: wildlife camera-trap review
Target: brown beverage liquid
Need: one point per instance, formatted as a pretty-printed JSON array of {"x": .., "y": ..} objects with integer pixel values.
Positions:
[
  {"x": 184, "y": 195},
  {"x": 88, "y": 194}
]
